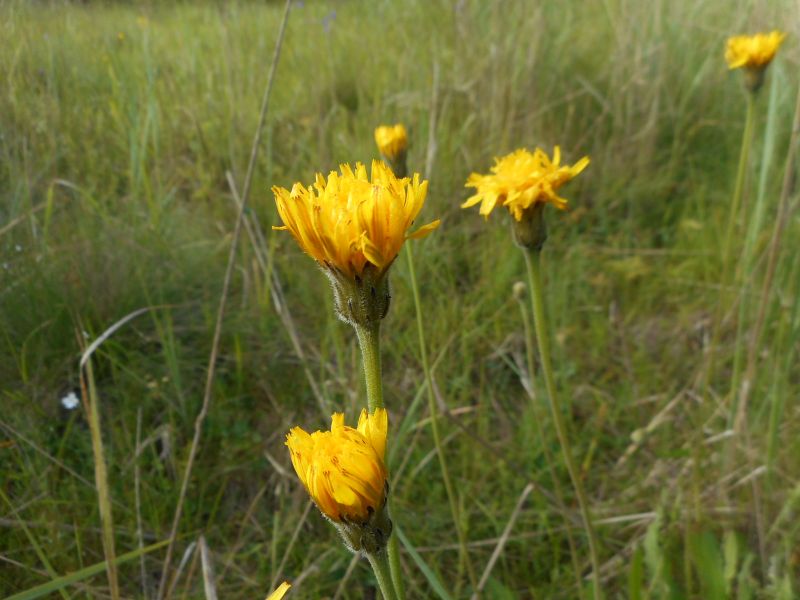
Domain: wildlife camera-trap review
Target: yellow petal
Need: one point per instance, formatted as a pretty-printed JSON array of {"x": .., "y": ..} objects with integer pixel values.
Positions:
[
  {"x": 424, "y": 230},
  {"x": 280, "y": 592},
  {"x": 337, "y": 421},
  {"x": 374, "y": 428}
]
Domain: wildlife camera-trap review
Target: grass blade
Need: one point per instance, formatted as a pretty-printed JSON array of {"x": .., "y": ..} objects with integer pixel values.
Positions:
[
  {"x": 61, "y": 582},
  {"x": 433, "y": 580},
  {"x": 91, "y": 401}
]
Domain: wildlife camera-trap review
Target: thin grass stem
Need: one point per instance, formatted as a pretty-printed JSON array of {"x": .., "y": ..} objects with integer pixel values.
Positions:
[
  {"x": 772, "y": 263},
  {"x": 91, "y": 401},
  {"x": 34, "y": 544},
  {"x": 212, "y": 360},
  {"x": 434, "y": 414}
]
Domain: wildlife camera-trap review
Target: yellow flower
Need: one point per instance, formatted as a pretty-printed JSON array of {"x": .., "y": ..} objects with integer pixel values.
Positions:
[
  {"x": 280, "y": 592},
  {"x": 343, "y": 469},
  {"x": 350, "y": 220},
  {"x": 753, "y": 51},
  {"x": 392, "y": 140},
  {"x": 521, "y": 180}
]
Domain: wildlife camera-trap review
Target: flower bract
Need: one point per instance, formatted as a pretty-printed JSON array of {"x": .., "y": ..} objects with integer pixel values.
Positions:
[
  {"x": 522, "y": 179},
  {"x": 351, "y": 220},
  {"x": 343, "y": 469}
]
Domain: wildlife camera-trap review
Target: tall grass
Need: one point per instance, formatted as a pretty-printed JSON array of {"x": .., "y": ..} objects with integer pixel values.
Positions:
[{"x": 117, "y": 125}]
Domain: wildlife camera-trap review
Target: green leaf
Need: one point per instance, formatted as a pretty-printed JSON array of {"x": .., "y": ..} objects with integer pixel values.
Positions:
[
  {"x": 707, "y": 560},
  {"x": 636, "y": 575},
  {"x": 433, "y": 580},
  {"x": 497, "y": 591},
  {"x": 730, "y": 550}
]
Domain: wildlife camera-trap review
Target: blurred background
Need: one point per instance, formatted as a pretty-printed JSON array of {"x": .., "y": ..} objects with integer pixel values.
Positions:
[{"x": 118, "y": 122}]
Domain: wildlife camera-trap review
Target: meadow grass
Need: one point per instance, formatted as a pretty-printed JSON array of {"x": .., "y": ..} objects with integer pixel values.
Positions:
[{"x": 117, "y": 125}]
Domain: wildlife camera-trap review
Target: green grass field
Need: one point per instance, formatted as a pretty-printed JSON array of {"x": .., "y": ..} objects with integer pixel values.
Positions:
[{"x": 118, "y": 123}]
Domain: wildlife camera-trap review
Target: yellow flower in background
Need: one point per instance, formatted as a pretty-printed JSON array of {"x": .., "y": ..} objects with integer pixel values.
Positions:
[
  {"x": 392, "y": 140},
  {"x": 522, "y": 179},
  {"x": 753, "y": 51},
  {"x": 280, "y": 592},
  {"x": 349, "y": 220},
  {"x": 343, "y": 469}
]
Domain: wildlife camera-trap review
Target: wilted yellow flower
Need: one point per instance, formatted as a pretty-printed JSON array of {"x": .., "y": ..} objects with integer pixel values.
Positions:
[
  {"x": 280, "y": 592},
  {"x": 343, "y": 469},
  {"x": 753, "y": 51},
  {"x": 392, "y": 140},
  {"x": 521, "y": 180},
  {"x": 350, "y": 221}
]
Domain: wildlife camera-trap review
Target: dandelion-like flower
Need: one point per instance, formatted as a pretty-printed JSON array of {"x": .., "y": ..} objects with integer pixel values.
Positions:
[
  {"x": 521, "y": 180},
  {"x": 753, "y": 51},
  {"x": 392, "y": 141},
  {"x": 354, "y": 226},
  {"x": 524, "y": 182},
  {"x": 343, "y": 471},
  {"x": 350, "y": 221}
]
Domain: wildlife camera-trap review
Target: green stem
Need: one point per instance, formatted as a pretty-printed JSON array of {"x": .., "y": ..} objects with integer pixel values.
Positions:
[
  {"x": 434, "y": 414},
  {"x": 380, "y": 565},
  {"x": 394, "y": 566},
  {"x": 369, "y": 338},
  {"x": 529, "y": 351},
  {"x": 738, "y": 272},
  {"x": 532, "y": 258},
  {"x": 736, "y": 201}
]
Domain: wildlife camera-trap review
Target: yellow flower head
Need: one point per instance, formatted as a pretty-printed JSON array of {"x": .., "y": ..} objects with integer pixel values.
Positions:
[
  {"x": 350, "y": 220},
  {"x": 522, "y": 179},
  {"x": 343, "y": 469},
  {"x": 392, "y": 140},
  {"x": 280, "y": 591},
  {"x": 753, "y": 51}
]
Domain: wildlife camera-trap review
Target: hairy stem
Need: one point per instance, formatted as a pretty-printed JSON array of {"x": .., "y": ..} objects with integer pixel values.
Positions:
[
  {"x": 380, "y": 565},
  {"x": 369, "y": 339},
  {"x": 532, "y": 260}
]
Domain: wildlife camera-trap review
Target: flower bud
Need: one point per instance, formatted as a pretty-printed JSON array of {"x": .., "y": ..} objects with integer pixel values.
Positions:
[{"x": 344, "y": 473}]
